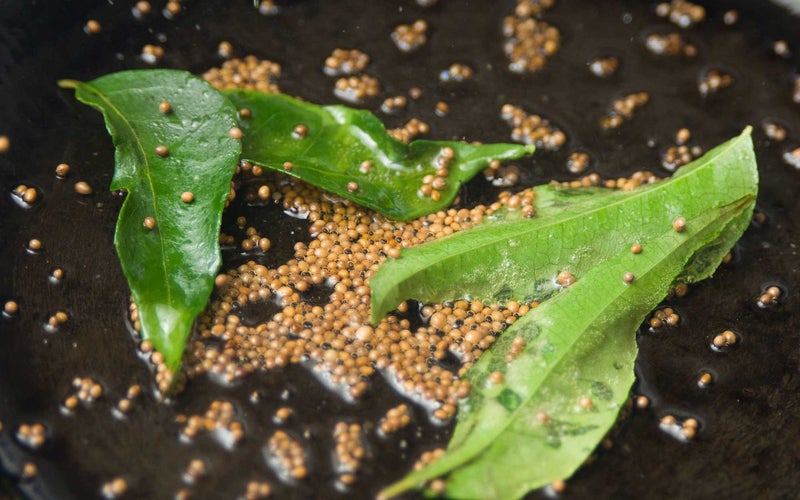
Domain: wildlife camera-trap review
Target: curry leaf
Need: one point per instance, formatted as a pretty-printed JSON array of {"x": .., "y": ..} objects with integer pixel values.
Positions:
[
  {"x": 530, "y": 430},
  {"x": 171, "y": 267},
  {"x": 348, "y": 152}
]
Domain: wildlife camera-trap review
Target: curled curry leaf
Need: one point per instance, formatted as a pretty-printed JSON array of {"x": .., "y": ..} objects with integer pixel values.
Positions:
[
  {"x": 348, "y": 152},
  {"x": 535, "y": 427},
  {"x": 171, "y": 267}
]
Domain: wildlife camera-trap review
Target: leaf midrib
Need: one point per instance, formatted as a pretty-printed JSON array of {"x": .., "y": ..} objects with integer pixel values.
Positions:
[
  {"x": 148, "y": 176},
  {"x": 553, "y": 221}
]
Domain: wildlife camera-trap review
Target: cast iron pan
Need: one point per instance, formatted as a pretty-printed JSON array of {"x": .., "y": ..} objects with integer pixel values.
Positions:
[{"x": 749, "y": 426}]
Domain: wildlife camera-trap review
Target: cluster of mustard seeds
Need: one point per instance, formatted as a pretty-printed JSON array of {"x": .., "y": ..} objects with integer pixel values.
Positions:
[
  {"x": 349, "y": 451},
  {"x": 532, "y": 128},
  {"x": 151, "y": 54},
  {"x": 682, "y": 12},
  {"x": 335, "y": 337},
  {"x": 86, "y": 391},
  {"x": 25, "y": 195},
  {"x": 664, "y": 317},
  {"x": 32, "y": 435},
  {"x": 604, "y": 66},
  {"x": 219, "y": 419},
  {"x": 714, "y": 80},
  {"x": 410, "y": 37},
  {"x": 774, "y": 131},
  {"x": 391, "y": 105},
  {"x": 355, "y": 89},
  {"x": 578, "y": 161},
  {"x": 114, "y": 488},
  {"x": 410, "y": 130},
  {"x": 456, "y": 73},
  {"x": 623, "y": 109},
  {"x": 682, "y": 431},
  {"x": 769, "y": 297},
  {"x": 286, "y": 456},
  {"x": 345, "y": 62},
  {"x": 638, "y": 178},
  {"x": 195, "y": 471},
  {"x": 434, "y": 184},
  {"x": 669, "y": 44},
  {"x": 724, "y": 339},
  {"x": 248, "y": 73},
  {"x": 529, "y": 41},
  {"x": 256, "y": 490},
  {"x": 395, "y": 419},
  {"x": 501, "y": 175}
]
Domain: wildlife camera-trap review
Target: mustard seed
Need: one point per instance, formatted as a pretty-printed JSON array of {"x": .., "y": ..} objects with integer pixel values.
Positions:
[
  {"x": 92, "y": 27},
  {"x": 10, "y": 308},
  {"x": 300, "y": 131},
  {"x": 162, "y": 151},
  {"x": 149, "y": 223},
  {"x": 83, "y": 188},
  {"x": 34, "y": 245},
  {"x": 628, "y": 277},
  {"x": 235, "y": 133},
  {"x": 636, "y": 248},
  {"x": 5, "y": 144},
  {"x": 352, "y": 187},
  {"x": 164, "y": 107},
  {"x": 187, "y": 197},
  {"x": 679, "y": 224},
  {"x": 62, "y": 169},
  {"x": 642, "y": 402}
]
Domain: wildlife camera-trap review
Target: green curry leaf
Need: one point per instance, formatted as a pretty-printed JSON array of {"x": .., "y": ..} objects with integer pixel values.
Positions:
[
  {"x": 171, "y": 267},
  {"x": 580, "y": 341},
  {"x": 331, "y": 154}
]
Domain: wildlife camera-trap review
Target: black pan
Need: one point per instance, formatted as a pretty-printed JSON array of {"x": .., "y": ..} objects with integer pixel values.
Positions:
[{"x": 747, "y": 442}]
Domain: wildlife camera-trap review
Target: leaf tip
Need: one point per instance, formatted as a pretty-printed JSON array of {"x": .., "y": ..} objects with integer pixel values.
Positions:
[{"x": 68, "y": 84}]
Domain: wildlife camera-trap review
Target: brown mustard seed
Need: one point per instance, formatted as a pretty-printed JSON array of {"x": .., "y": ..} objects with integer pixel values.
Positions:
[
  {"x": 300, "y": 131},
  {"x": 245, "y": 113},
  {"x": 10, "y": 308},
  {"x": 162, "y": 151},
  {"x": 142, "y": 8},
  {"x": 30, "y": 195},
  {"x": 29, "y": 471},
  {"x": 5, "y": 144},
  {"x": 679, "y": 224},
  {"x": 704, "y": 380},
  {"x": 83, "y": 188},
  {"x": 235, "y": 133},
  {"x": 34, "y": 245},
  {"x": 62, "y": 169},
  {"x": 225, "y": 49},
  {"x": 636, "y": 248},
  {"x": 92, "y": 27},
  {"x": 352, "y": 187},
  {"x": 149, "y": 223},
  {"x": 187, "y": 197},
  {"x": 586, "y": 403},
  {"x": 164, "y": 107},
  {"x": 628, "y": 278},
  {"x": 565, "y": 278},
  {"x": 642, "y": 402}
]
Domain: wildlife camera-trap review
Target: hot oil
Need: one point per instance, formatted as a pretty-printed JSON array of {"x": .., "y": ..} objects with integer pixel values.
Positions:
[{"x": 743, "y": 444}]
